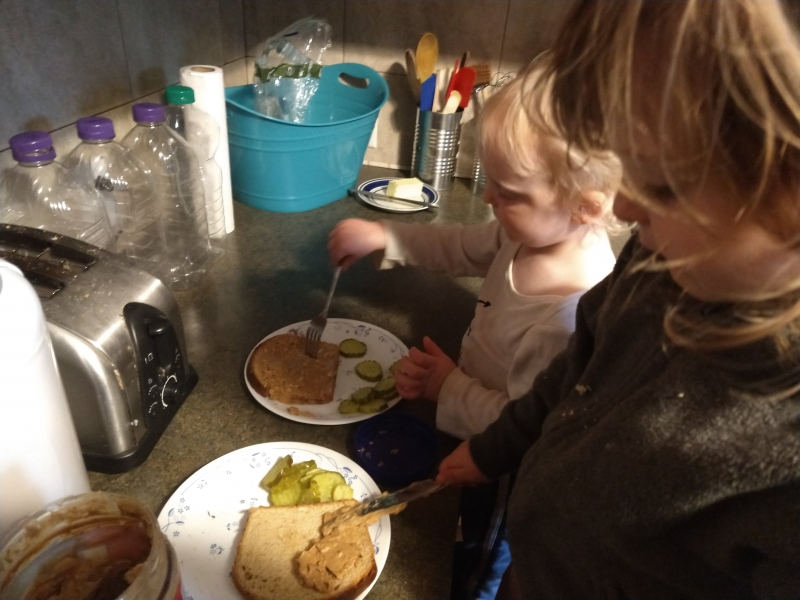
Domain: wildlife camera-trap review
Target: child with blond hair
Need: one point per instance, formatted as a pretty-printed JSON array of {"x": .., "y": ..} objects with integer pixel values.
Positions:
[
  {"x": 659, "y": 455},
  {"x": 547, "y": 245}
]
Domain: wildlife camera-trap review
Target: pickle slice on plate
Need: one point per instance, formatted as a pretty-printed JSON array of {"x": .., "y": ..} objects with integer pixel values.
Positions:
[
  {"x": 362, "y": 395},
  {"x": 369, "y": 370},
  {"x": 351, "y": 348},
  {"x": 373, "y": 406},
  {"x": 282, "y": 464},
  {"x": 348, "y": 407},
  {"x": 385, "y": 388}
]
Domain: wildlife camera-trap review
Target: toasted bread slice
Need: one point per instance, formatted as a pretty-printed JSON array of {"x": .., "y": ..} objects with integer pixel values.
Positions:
[
  {"x": 266, "y": 565},
  {"x": 280, "y": 369}
]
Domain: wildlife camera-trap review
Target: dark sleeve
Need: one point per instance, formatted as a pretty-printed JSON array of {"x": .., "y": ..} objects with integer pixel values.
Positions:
[{"x": 500, "y": 448}]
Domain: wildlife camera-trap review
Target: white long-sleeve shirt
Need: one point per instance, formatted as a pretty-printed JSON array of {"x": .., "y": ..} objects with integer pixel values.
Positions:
[{"x": 512, "y": 336}]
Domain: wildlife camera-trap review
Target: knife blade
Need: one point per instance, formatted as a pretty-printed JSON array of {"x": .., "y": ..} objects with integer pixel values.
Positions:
[
  {"x": 375, "y": 196},
  {"x": 418, "y": 489}
]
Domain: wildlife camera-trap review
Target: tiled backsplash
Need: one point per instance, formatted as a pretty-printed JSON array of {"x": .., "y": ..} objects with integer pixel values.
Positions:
[{"x": 62, "y": 60}]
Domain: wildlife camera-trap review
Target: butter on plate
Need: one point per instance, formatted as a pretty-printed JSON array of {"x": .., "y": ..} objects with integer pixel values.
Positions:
[{"x": 411, "y": 189}]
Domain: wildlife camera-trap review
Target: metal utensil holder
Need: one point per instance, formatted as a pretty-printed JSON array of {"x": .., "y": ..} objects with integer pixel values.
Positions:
[
  {"x": 478, "y": 177},
  {"x": 436, "y": 139}
]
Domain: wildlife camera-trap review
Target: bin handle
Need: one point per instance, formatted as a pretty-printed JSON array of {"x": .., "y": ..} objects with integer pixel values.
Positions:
[{"x": 353, "y": 72}]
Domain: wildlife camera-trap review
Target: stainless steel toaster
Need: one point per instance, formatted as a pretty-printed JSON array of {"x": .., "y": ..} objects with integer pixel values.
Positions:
[{"x": 118, "y": 340}]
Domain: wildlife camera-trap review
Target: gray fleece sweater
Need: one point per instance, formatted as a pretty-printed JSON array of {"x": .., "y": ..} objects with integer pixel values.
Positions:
[{"x": 650, "y": 471}]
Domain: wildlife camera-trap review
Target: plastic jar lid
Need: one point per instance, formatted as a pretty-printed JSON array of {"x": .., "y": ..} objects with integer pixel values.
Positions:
[
  {"x": 396, "y": 448},
  {"x": 179, "y": 94},
  {"x": 95, "y": 128},
  {"x": 148, "y": 112},
  {"x": 32, "y": 146}
]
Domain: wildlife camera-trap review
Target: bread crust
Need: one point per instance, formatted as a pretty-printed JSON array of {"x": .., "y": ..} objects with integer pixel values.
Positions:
[
  {"x": 279, "y": 369},
  {"x": 273, "y": 537}
]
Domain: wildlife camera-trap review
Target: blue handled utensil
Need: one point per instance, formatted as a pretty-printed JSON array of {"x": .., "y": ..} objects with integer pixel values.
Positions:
[{"x": 427, "y": 93}]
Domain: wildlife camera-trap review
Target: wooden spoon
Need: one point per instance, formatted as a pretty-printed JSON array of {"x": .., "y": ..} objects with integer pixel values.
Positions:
[
  {"x": 427, "y": 55},
  {"x": 411, "y": 72}
]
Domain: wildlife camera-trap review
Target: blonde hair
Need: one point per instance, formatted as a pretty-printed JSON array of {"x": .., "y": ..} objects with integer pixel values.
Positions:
[
  {"x": 529, "y": 144},
  {"x": 730, "y": 103}
]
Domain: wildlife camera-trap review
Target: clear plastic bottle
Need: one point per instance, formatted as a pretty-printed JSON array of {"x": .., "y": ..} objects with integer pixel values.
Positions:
[
  {"x": 39, "y": 192},
  {"x": 127, "y": 190},
  {"x": 201, "y": 132},
  {"x": 179, "y": 193}
]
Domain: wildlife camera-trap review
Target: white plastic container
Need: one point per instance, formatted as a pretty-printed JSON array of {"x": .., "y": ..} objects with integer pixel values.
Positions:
[
  {"x": 126, "y": 188},
  {"x": 179, "y": 194},
  {"x": 40, "y": 456}
]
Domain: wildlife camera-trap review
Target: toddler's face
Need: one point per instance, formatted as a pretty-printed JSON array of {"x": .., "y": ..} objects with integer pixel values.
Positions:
[{"x": 529, "y": 208}]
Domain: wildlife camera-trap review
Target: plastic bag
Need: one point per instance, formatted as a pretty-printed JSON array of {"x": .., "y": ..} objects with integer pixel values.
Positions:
[{"x": 288, "y": 67}]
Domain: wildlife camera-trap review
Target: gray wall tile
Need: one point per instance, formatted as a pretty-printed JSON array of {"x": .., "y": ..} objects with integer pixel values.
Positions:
[
  {"x": 264, "y": 18},
  {"x": 232, "y": 17},
  {"x": 473, "y": 25},
  {"x": 60, "y": 61},
  {"x": 162, "y": 36},
  {"x": 532, "y": 28}
]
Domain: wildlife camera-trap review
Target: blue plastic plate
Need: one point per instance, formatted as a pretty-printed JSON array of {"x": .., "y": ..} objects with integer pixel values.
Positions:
[
  {"x": 396, "y": 448},
  {"x": 378, "y": 186}
]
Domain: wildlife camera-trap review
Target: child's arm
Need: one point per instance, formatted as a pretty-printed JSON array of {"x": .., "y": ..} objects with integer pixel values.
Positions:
[
  {"x": 451, "y": 249},
  {"x": 465, "y": 407},
  {"x": 352, "y": 239}
]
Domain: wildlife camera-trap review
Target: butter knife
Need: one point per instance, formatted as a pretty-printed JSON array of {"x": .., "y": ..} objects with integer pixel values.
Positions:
[
  {"x": 418, "y": 489},
  {"x": 375, "y": 196}
]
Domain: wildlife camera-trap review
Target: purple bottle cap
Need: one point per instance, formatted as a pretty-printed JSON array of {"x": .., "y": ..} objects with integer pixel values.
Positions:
[
  {"x": 95, "y": 128},
  {"x": 148, "y": 112},
  {"x": 32, "y": 146}
]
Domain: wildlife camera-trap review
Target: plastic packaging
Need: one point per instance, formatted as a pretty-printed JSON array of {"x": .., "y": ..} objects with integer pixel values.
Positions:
[
  {"x": 288, "y": 67},
  {"x": 201, "y": 132},
  {"x": 40, "y": 456},
  {"x": 179, "y": 193},
  {"x": 127, "y": 190},
  {"x": 94, "y": 545},
  {"x": 41, "y": 193}
]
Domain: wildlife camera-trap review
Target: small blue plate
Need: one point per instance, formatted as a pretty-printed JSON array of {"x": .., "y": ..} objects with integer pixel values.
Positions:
[
  {"x": 378, "y": 186},
  {"x": 396, "y": 449}
]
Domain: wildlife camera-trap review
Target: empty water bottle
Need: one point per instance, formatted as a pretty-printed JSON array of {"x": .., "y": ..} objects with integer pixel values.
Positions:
[
  {"x": 126, "y": 188},
  {"x": 179, "y": 193},
  {"x": 39, "y": 192},
  {"x": 201, "y": 132}
]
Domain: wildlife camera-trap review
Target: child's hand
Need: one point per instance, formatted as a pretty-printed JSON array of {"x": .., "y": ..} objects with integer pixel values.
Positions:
[
  {"x": 352, "y": 239},
  {"x": 422, "y": 374},
  {"x": 459, "y": 468}
]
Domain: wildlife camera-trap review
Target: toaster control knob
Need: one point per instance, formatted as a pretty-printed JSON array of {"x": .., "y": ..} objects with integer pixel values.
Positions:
[
  {"x": 170, "y": 391},
  {"x": 157, "y": 326}
]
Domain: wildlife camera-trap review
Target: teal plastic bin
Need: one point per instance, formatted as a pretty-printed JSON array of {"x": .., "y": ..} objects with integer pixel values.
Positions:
[{"x": 292, "y": 167}]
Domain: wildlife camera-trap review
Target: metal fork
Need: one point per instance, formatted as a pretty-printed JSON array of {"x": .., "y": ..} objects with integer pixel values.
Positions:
[{"x": 317, "y": 325}]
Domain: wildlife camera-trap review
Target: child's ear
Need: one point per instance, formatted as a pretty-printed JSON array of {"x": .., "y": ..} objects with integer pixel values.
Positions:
[{"x": 590, "y": 207}]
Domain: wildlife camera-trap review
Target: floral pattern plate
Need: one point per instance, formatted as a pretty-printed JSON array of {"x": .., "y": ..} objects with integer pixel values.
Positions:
[
  {"x": 205, "y": 517},
  {"x": 382, "y": 346}
]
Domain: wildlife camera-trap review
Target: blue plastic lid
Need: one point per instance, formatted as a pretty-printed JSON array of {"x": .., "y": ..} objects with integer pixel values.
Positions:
[{"x": 396, "y": 448}]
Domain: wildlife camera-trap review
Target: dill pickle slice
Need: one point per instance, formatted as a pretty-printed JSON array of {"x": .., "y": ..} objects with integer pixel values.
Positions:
[
  {"x": 307, "y": 497},
  {"x": 309, "y": 474},
  {"x": 373, "y": 406},
  {"x": 275, "y": 472},
  {"x": 362, "y": 395},
  {"x": 322, "y": 485},
  {"x": 286, "y": 492},
  {"x": 342, "y": 492},
  {"x": 369, "y": 370},
  {"x": 393, "y": 366},
  {"x": 351, "y": 348},
  {"x": 348, "y": 407},
  {"x": 385, "y": 388}
]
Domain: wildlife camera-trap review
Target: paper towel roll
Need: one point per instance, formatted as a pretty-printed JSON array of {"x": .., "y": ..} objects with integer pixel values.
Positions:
[{"x": 209, "y": 96}]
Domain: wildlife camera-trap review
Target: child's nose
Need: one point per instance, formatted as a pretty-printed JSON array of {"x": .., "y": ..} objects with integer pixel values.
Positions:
[{"x": 627, "y": 210}]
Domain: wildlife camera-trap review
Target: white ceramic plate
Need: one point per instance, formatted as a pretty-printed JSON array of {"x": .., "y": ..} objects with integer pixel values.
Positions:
[
  {"x": 203, "y": 518},
  {"x": 382, "y": 346},
  {"x": 378, "y": 186}
]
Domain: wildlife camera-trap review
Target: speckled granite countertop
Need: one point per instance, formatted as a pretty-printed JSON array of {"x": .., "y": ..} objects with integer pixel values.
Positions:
[{"x": 275, "y": 272}]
